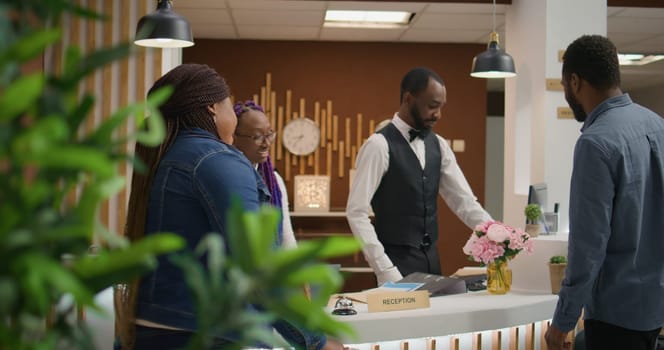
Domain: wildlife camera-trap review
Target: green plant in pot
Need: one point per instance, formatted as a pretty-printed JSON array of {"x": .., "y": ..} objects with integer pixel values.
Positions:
[
  {"x": 53, "y": 178},
  {"x": 533, "y": 214},
  {"x": 557, "y": 266},
  {"x": 45, "y": 235}
]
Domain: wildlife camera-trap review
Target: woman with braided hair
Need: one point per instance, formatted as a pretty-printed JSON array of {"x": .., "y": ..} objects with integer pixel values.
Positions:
[
  {"x": 253, "y": 137},
  {"x": 187, "y": 188}
]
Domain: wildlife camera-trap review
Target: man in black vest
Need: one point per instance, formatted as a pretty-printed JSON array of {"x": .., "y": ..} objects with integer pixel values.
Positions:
[{"x": 399, "y": 172}]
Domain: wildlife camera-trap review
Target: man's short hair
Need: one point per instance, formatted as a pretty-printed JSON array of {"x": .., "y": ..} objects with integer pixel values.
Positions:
[
  {"x": 416, "y": 80},
  {"x": 594, "y": 59}
]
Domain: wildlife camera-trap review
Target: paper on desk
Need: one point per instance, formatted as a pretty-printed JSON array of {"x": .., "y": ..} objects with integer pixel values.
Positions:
[{"x": 470, "y": 271}]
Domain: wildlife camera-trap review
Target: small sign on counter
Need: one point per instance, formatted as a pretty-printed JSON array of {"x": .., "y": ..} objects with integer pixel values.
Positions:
[{"x": 394, "y": 301}]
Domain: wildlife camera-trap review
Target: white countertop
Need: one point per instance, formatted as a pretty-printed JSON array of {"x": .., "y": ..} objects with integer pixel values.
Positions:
[{"x": 452, "y": 314}]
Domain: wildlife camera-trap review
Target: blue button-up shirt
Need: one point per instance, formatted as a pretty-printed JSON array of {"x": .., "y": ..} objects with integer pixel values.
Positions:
[{"x": 616, "y": 243}]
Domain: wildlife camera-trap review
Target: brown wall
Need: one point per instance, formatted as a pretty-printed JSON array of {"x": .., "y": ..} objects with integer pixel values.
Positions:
[{"x": 364, "y": 78}]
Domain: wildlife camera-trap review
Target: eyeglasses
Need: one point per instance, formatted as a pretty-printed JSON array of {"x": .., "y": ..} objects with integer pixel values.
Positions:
[{"x": 260, "y": 139}]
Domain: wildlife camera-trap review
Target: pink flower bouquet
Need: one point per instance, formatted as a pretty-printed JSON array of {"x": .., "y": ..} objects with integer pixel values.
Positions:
[{"x": 495, "y": 242}]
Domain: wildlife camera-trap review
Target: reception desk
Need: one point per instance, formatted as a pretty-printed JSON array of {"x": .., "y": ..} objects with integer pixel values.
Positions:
[
  {"x": 451, "y": 315},
  {"x": 474, "y": 320}
]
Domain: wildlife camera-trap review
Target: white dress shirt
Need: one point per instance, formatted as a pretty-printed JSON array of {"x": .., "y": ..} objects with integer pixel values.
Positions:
[
  {"x": 288, "y": 236},
  {"x": 372, "y": 163}
]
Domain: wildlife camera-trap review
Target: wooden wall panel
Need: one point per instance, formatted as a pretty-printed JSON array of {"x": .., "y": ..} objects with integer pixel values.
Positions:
[
  {"x": 114, "y": 86},
  {"x": 360, "y": 79}
]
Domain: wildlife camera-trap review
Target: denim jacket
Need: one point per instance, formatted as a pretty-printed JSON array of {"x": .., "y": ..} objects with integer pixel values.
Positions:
[{"x": 190, "y": 196}]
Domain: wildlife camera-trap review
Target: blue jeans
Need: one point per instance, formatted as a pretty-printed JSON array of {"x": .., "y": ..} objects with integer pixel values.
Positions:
[{"x": 149, "y": 338}]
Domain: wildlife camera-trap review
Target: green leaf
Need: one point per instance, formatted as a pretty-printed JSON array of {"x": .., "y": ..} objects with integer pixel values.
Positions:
[
  {"x": 152, "y": 130},
  {"x": 110, "y": 267},
  {"x": 45, "y": 273},
  {"x": 213, "y": 245},
  {"x": 75, "y": 157},
  {"x": 78, "y": 115},
  {"x": 31, "y": 45},
  {"x": 96, "y": 60},
  {"x": 155, "y": 132},
  {"x": 39, "y": 138},
  {"x": 260, "y": 230},
  {"x": 22, "y": 94}
]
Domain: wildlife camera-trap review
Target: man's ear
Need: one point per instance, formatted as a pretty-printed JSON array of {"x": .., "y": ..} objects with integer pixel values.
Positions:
[
  {"x": 407, "y": 98},
  {"x": 575, "y": 82},
  {"x": 211, "y": 109}
]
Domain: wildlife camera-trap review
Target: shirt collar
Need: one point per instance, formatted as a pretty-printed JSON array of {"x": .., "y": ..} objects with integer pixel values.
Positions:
[
  {"x": 401, "y": 126},
  {"x": 609, "y": 103}
]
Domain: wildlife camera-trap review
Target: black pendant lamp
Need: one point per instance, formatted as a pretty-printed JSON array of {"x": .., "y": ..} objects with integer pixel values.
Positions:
[
  {"x": 494, "y": 62},
  {"x": 163, "y": 28}
]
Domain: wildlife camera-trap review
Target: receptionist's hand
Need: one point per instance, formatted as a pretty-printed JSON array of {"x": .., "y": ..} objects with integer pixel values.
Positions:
[{"x": 392, "y": 274}]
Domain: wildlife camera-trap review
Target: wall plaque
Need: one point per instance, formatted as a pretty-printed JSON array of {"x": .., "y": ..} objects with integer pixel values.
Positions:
[
  {"x": 565, "y": 113},
  {"x": 554, "y": 85}
]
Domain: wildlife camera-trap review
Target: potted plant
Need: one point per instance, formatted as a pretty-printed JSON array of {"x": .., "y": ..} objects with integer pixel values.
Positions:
[
  {"x": 557, "y": 266},
  {"x": 53, "y": 178},
  {"x": 533, "y": 214}
]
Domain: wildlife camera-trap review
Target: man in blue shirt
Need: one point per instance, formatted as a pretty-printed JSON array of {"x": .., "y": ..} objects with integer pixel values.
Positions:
[{"x": 615, "y": 268}]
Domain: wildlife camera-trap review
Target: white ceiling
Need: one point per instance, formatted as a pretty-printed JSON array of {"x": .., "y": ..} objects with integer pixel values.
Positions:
[{"x": 631, "y": 29}]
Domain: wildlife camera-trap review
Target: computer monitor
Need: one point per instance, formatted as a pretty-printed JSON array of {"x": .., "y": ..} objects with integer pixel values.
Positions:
[{"x": 537, "y": 195}]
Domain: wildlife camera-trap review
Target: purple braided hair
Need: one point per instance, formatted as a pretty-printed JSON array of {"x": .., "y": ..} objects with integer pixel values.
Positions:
[{"x": 265, "y": 169}]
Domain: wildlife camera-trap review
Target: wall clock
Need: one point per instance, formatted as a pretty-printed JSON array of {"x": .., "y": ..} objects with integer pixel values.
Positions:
[{"x": 301, "y": 136}]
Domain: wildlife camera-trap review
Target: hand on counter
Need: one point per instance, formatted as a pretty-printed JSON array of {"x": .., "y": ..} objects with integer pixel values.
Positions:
[
  {"x": 392, "y": 274},
  {"x": 556, "y": 339}
]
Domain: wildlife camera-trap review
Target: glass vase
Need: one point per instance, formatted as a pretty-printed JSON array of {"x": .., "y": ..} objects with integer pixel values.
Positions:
[{"x": 499, "y": 278}]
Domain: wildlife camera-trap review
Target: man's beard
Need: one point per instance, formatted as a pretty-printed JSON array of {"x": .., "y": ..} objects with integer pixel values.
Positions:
[
  {"x": 579, "y": 114},
  {"x": 417, "y": 118}
]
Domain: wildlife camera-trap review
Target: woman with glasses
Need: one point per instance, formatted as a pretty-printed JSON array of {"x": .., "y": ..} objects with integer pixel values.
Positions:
[{"x": 253, "y": 137}]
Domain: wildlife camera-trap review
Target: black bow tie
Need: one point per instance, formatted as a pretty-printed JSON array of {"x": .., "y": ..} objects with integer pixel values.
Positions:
[{"x": 417, "y": 133}]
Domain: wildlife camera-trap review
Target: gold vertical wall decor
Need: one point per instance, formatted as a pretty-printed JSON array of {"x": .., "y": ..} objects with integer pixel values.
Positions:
[
  {"x": 287, "y": 166},
  {"x": 359, "y": 130},
  {"x": 323, "y": 128},
  {"x": 289, "y": 95},
  {"x": 335, "y": 132},
  {"x": 353, "y": 157},
  {"x": 372, "y": 126},
  {"x": 263, "y": 97},
  {"x": 280, "y": 128},
  {"x": 347, "y": 138},
  {"x": 294, "y": 157},
  {"x": 328, "y": 169},
  {"x": 341, "y": 159},
  {"x": 329, "y": 115},
  {"x": 273, "y": 121}
]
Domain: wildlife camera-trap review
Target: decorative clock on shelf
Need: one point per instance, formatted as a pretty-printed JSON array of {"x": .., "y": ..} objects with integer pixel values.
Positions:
[{"x": 301, "y": 136}]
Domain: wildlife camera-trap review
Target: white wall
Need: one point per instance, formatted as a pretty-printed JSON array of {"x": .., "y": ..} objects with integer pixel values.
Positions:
[{"x": 493, "y": 179}]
